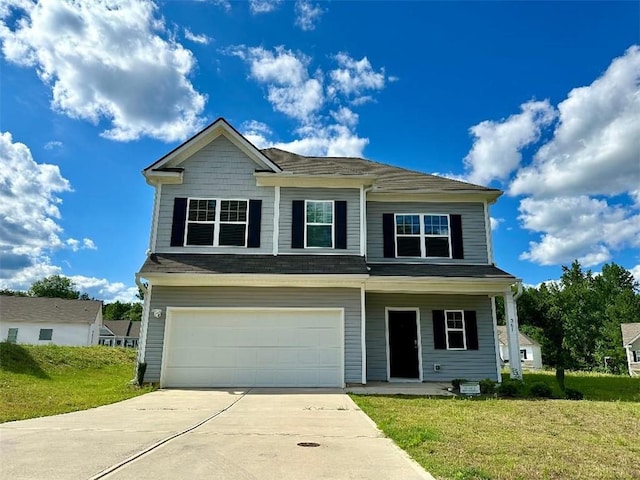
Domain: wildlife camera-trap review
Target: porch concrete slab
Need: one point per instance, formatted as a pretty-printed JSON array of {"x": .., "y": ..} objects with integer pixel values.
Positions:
[
  {"x": 401, "y": 388},
  {"x": 251, "y": 434}
]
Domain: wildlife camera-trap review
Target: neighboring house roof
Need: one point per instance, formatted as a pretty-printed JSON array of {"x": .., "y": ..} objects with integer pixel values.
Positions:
[
  {"x": 256, "y": 264},
  {"x": 437, "y": 270},
  {"x": 630, "y": 333},
  {"x": 123, "y": 328},
  {"x": 522, "y": 338},
  {"x": 48, "y": 310},
  {"x": 388, "y": 177}
]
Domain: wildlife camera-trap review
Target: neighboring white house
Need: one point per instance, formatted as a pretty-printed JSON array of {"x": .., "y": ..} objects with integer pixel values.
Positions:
[
  {"x": 120, "y": 333},
  {"x": 631, "y": 343},
  {"x": 530, "y": 353},
  {"x": 41, "y": 321}
]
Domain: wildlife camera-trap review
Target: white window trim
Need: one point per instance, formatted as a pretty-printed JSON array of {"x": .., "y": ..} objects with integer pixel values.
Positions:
[
  {"x": 388, "y": 348},
  {"x": 463, "y": 329},
  {"x": 422, "y": 235},
  {"x": 332, "y": 224},
  {"x": 216, "y": 223}
]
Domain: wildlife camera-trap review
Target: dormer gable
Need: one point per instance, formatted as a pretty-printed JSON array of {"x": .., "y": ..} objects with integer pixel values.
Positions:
[{"x": 168, "y": 168}]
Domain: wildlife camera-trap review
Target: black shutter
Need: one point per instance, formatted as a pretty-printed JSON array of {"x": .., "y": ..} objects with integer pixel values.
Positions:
[
  {"x": 439, "y": 331},
  {"x": 297, "y": 224},
  {"x": 389, "y": 235},
  {"x": 255, "y": 215},
  {"x": 179, "y": 218},
  {"x": 471, "y": 329},
  {"x": 635, "y": 356},
  {"x": 341, "y": 224},
  {"x": 457, "y": 249}
]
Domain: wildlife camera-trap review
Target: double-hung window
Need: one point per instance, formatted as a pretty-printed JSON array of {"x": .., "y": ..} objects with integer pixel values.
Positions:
[
  {"x": 456, "y": 338},
  {"x": 216, "y": 222},
  {"x": 422, "y": 235},
  {"x": 523, "y": 354},
  {"x": 319, "y": 223},
  {"x": 12, "y": 335}
]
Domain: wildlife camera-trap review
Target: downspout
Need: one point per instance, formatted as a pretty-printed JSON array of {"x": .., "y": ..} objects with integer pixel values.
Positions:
[
  {"x": 363, "y": 221},
  {"x": 142, "y": 341},
  {"x": 518, "y": 293}
]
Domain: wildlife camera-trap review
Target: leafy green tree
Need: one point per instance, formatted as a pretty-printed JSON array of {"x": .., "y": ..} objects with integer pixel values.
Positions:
[
  {"x": 55, "y": 286},
  {"x": 122, "y": 311},
  {"x": 13, "y": 293}
]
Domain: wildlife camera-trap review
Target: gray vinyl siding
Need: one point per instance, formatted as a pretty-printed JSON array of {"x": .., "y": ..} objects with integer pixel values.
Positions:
[
  {"x": 347, "y": 298},
  {"x": 469, "y": 364},
  {"x": 219, "y": 170},
  {"x": 474, "y": 236},
  {"x": 352, "y": 197}
]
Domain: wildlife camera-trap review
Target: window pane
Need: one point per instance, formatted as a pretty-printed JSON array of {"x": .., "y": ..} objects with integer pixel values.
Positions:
[
  {"x": 319, "y": 212},
  {"x": 408, "y": 246},
  {"x": 408, "y": 224},
  {"x": 202, "y": 210},
  {"x": 45, "y": 334},
  {"x": 319, "y": 236},
  {"x": 436, "y": 225},
  {"x": 12, "y": 335},
  {"x": 233, "y": 211},
  {"x": 232, "y": 234},
  {"x": 456, "y": 339},
  {"x": 437, "y": 246},
  {"x": 199, "y": 234}
]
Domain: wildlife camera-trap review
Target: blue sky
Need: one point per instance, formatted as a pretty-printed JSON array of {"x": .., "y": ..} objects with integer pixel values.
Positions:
[{"x": 540, "y": 99}]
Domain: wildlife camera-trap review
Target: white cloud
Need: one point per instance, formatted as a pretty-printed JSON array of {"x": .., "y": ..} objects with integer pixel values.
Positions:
[
  {"x": 353, "y": 78},
  {"x": 290, "y": 88},
  {"x": 53, "y": 145},
  {"x": 88, "y": 244},
  {"x": 495, "y": 222},
  {"x": 496, "y": 149},
  {"x": 596, "y": 144},
  {"x": 345, "y": 116},
  {"x": 29, "y": 214},
  {"x": 577, "y": 227},
  {"x": 307, "y": 14},
  {"x": 74, "y": 245},
  {"x": 224, "y": 4},
  {"x": 202, "y": 39},
  {"x": 635, "y": 271},
  {"x": 103, "y": 289},
  {"x": 111, "y": 61},
  {"x": 263, "y": 6}
]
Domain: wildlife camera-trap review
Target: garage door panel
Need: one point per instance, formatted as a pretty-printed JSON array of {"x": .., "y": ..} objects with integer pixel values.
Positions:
[{"x": 225, "y": 348}]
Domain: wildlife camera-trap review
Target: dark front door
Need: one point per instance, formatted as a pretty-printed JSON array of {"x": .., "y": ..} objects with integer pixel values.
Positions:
[{"x": 403, "y": 344}]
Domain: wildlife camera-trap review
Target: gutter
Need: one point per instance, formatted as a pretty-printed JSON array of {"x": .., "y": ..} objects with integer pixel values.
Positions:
[{"x": 519, "y": 292}]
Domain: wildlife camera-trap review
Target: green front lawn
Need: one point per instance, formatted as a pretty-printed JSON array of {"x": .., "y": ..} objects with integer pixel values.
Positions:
[
  {"x": 37, "y": 381},
  {"x": 462, "y": 439}
]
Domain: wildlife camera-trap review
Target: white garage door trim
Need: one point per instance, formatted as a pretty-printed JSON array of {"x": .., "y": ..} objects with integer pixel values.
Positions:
[{"x": 170, "y": 311}]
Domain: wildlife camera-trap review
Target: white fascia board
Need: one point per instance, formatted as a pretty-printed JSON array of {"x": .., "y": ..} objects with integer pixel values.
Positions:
[
  {"x": 439, "y": 285},
  {"x": 256, "y": 280},
  {"x": 433, "y": 196},
  {"x": 206, "y": 136},
  {"x": 633, "y": 340},
  {"x": 155, "y": 177},
  {"x": 324, "y": 181}
]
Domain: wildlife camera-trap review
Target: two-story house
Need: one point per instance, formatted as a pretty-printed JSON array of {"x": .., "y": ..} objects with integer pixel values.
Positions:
[{"x": 268, "y": 268}]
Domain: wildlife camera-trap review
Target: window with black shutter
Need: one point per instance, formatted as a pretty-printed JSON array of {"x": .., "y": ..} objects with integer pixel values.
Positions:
[
  {"x": 422, "y": 235},
  {"x": 215, "y": 222}
]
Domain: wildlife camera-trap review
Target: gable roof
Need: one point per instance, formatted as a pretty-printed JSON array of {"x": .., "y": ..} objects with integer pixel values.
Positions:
[
  {"x": 168, "y": 162},
  {"x": 630, "y": 333},
  {"x": 48, "y": 310},
  {"x": 388, "y": 178},
  {"x": 123, "y": 328},
  {"x": 522, "y": 338}
]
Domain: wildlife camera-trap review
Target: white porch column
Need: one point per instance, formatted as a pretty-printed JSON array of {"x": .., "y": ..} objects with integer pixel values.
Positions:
[{"x": 515, "y": 367}]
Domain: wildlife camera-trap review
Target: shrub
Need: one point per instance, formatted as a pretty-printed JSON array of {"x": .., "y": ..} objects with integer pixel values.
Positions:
[
  {"x": 457, "y": 381},
  {"x": 571, "y": 394},
  {"x": 487, "y": 386},
  {"x": 141, "y": 370},
  {"x": 540, "y": 389},
  {"x": 510, "y": 388}
]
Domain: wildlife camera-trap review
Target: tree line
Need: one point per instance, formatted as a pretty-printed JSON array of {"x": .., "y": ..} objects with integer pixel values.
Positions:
[
  {"x": 57, "y": 286},
  {"x": 577, "y": 319}
]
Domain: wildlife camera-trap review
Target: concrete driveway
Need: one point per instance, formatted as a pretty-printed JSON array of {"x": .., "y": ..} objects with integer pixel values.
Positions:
[{"x": 239, "y": 434}]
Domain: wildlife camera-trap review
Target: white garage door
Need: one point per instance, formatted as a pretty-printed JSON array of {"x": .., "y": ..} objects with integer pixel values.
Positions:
[{"x": 257, "y": 347}]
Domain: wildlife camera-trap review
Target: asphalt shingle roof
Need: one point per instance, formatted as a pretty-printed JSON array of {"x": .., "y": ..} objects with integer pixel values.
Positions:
[
  {"x": 389, "y": 178},
  {"x": 257, "y": 264},
  {"x": 437, "y": 270},
  {"x": 522, "y": 338},
  {"x": 630, "y": 331},
  {"x": 123, "y": 328},
  {"x": 49, "y": 310}
]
